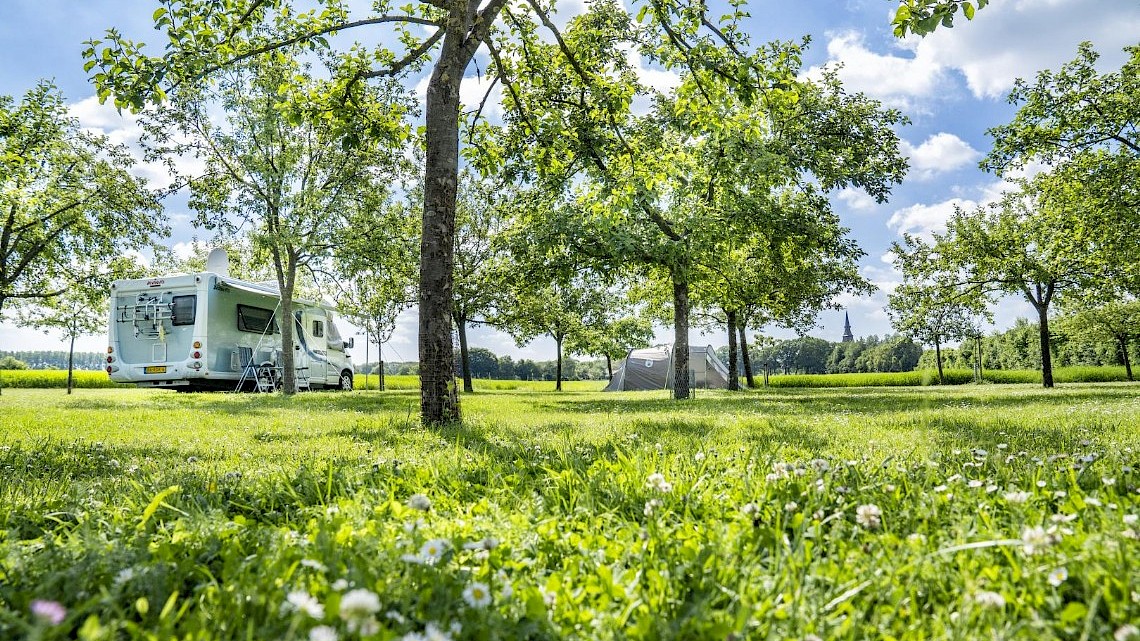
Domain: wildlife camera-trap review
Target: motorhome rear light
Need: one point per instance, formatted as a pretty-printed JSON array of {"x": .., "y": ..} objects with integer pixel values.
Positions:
[
  {"x": 110, "y": 359},
  {"x": 197, "y": 345},
  {"x": 110, "y": 350},
  {"x": 196, "y": 355},
  {"x": 108, "y": 369}
]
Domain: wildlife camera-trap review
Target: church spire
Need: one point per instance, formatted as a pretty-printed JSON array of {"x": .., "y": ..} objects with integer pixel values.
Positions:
[{"x": 848, "y": 337}]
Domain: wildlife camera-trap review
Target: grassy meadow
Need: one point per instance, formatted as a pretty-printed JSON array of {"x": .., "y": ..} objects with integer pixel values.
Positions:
[{"x": 966, "y": 512}]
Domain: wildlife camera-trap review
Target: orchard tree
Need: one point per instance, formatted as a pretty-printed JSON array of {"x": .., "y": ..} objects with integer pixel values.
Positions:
[
  {"x": 203, "y": 36},
  {"x": 288, "y": 180},
  {"x": 1030, "y": 243},
  {"x": 612, "y": 334},
  {"x": 1116, "y": 321},
  {"x": 67, "y": 198},
  {"x": 930, "y": 306}
]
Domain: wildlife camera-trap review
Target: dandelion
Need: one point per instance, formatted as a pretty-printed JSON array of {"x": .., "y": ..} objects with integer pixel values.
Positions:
[
  {"x": 419, "y": 502},
  {"x": 322, "y": 633},
  {"x": 1126, "y": 632},
  {"x": 869, "y": 516},
  {"x": 301, "y": 601},
  {"x": 358, "y": 605},
  {"x": 51, "y": 612},
  {"x": 1058, "y": 576},
  {"x": 656, "y": 481},
  {"x": 432, "y": 551},
  {"x": 988, "y": 599},
  {"x": 477, "y": 595},
  {"x": 1034, "y": 539}
]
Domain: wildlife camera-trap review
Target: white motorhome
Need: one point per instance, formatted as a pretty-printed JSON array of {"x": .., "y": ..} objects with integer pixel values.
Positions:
[{"x": 209, "y": 331}]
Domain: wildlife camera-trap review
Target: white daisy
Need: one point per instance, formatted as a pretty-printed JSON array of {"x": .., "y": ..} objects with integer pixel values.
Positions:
[
  {"x": 477, "y": 595},
  {"x": 322, "y": 633},
  {"x": 301, "y": 601},
  {"x": 433, "y": 550},
  {"x": 989, "y": 599},
  {"x": 1058, "y": 576}
]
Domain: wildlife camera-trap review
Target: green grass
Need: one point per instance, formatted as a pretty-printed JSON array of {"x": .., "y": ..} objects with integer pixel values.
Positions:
[
  {"x": 949, "y": 377},
  {"x": 154, "y": 515}
]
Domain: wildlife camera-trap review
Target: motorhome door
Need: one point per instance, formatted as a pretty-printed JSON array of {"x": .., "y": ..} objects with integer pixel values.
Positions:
[{"x": 313, "y": 340}]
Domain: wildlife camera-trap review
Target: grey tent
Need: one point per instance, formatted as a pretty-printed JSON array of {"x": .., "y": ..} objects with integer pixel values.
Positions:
[{"x": 652, "y": 368}]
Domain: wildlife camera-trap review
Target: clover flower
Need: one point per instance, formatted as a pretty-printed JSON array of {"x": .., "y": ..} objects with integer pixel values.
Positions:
[
  {"x": 651, "y": 506},
  {"x": 356, "y": 606},
  {"x": 791, "y": 506},
  {"x": 1018, "y": 496},
  {"x": 477, "y": 595},
  {"x": 322, "y": 633},
  {"x": 1126, "y": 632},
  {"x": 1035, "y": 539},
  {"x": 988, "y": 599},
  {"x": 419, "y": 502},
  {"x": 750, "y": 510},
  {"x": 51, "y": 612},
  {"x": 656, "y": 481},
  {"x": 869, "y": 516},
  {"x": 301, "y": 601}
]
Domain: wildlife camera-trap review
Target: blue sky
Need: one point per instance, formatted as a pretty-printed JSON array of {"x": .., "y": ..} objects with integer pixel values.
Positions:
[{"x": 951, "y": 84}]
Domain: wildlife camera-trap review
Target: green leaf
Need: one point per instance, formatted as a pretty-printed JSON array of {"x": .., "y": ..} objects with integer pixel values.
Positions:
[
  {"x": 1073, "y": 612},
  {"x": 155, "y": 502},
  {"x": 968, "y": 10}
]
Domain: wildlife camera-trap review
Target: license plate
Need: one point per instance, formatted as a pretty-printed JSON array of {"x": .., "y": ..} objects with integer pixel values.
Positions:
[{"x": 155, "y": 369}]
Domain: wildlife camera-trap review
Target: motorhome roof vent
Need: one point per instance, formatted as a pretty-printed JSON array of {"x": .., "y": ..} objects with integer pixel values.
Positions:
[{"x": 218, "y": 262}]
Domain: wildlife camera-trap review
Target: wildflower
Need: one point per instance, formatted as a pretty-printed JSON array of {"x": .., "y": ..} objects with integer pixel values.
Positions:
[
  {"x": 392, "y": 615},
  {"x": 750, "y": 509},
  {"x": 322, "y": 633},
  {"x": 432, "y": 551},
  {"x": 1018, "y": 496},
  {"x": 650, "y": 506},
  {"x": 820, "y": 465},
  {"x": 1002, "y": 446},
  {"x": 989, "y": 599},
  {"x": 791, "y": 506},
  {"x": 358, "y": 605},
  {"x": 419, "y": 502},
  {"x": 656, "y": 481},
  {"x": 411, "y": 526},
  {"x": 1131, "y": 519},
  {"x": 1060, "y": 494},
  {"x": 126, "y": 574},
  {"x": 1058, "y": 576},
  {"x": 340, "y": 585},
  {"x": 954, "y": 478},
  {"x": 974, "y": 484},
  {"x": 1130, "y": 534},
  {"x": 1093, "y": 501},
  {"x": 916, "y": 537},
  {"x": 51, "y": 612},
  {"x": 990, "y": 489},
  {"x": 1035, "y": 539},
  {"x": 699, "y": 456},
  {"x": 301, "y": 601},
  {"x": 1041, "y": 483},
  {"x": 940, "y": 488},
  {"x": 1108, "y": 481},
  {"x": 1126, "y": 632},
  {"x": 477, "y": 595},
  {"x": 812, "y": 637},
  {"x": 890, "y": 487},
  {"x": 869, "y": 516}
]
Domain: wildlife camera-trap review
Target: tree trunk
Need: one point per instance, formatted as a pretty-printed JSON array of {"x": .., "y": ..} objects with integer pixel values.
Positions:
[
  {"x": 680, "y": 337},
  {"x": 744, "y": 357},
  {"x": 439, "y": 400},
  {"x": 610, "y": 366},
  {"x": 1127, "y": 361},
  {"x": 938, "y": 358},
  {"x": 380, "y": 364},
  {"x": 733, "y": 353},
  {"x": 464, "y": 354},
  {"x": 558, "y": 365},
  {"x": 1046, "y": 354},
  {"x": 71, "y": 364}
]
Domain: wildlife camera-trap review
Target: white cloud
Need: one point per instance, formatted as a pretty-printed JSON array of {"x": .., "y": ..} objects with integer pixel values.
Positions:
[
  {"x": 856, "y": 199},
  {"x": 896, "y": 80},
  {"x": 939, "y": 153},
  {"x": 1016, "y": 39},
  {"x": 924, "y": 220}
]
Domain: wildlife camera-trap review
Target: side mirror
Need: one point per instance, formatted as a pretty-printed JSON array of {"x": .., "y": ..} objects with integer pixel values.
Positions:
[{"x": 350, "y": 343}]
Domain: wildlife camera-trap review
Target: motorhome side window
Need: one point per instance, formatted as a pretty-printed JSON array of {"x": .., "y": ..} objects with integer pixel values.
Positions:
[
  {"x": 256, "y": 319},
  {"x": 182, "y": 310},
  {"x": 318, "y": 329}
]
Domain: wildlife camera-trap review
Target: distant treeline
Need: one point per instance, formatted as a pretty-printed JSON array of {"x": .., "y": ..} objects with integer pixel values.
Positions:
[
  {"x": 50, "y": 359},
  {"x": 486, "y": 364},
  {"x": 1017, "y": 348}
]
